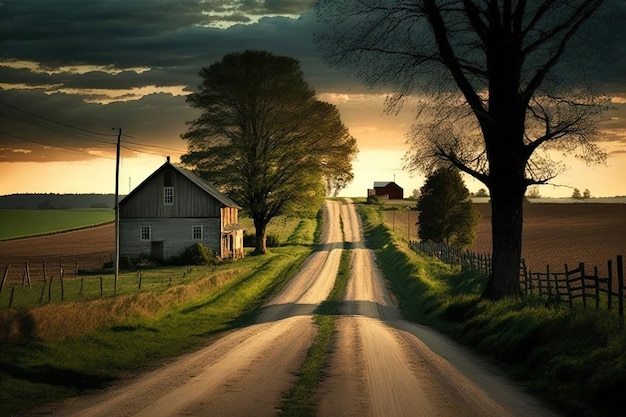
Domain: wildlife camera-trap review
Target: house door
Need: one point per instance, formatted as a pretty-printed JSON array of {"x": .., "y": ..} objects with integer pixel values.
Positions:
[{"x": 156, "y": 250}]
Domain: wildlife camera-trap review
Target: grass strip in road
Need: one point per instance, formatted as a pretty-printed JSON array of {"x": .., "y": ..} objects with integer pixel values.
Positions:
[{"x": 299, "y": 400}]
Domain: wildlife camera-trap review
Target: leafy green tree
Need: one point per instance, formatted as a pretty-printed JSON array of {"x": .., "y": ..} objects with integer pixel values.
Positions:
[
  {"x": 446, "y": 214},
  {"x": 499, "y": 82},
  {"x": 265, "y": 140}
]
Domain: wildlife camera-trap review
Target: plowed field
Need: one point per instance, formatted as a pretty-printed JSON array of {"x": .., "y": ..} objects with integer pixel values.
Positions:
[
  {"x": 85, "y": 249},
  {"x": 559, "y": 234}
]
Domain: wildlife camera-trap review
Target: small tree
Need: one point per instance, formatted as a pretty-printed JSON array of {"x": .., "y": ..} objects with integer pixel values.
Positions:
[
  {"x": 576, "y": 194},
  {"x": 586, "y": 194},
  {"x": 533, "y": 192},
  {"x": 447, "y": 214}
]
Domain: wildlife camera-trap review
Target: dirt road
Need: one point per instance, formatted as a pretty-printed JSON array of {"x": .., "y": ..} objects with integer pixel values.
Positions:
[{"x": 380, "y": 365}]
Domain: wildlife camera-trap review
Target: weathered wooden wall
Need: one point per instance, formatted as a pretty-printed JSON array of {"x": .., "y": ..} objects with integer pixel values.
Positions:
[
  {"x": 189, "y": 200},
  {"x": 175, "y": 233}
]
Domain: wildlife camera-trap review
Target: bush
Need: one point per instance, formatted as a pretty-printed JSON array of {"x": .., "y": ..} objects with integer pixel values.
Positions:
[{"x": 198, "y": 254}]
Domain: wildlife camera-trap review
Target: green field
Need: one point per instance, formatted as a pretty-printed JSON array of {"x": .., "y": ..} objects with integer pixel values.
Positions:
[{"x": 22, "y": 223}]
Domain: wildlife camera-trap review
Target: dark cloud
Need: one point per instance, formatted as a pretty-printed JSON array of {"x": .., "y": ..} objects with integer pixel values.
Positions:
[
  {"x": 73, "y": 130},
  {"x": 167, "y": 37},
  {"x": 172, "y": 40}
]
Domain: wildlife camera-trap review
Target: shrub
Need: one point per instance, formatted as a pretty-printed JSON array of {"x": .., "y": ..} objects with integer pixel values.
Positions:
[{"x": 198, "y": 254}]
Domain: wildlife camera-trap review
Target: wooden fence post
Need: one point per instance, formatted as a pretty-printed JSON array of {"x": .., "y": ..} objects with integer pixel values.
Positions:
[
  {"x": 28, "y": 274},
  {"x": 62, "y": 286},
  {"x": 12, "y": 295},
  {"x": 43, "y": 290},
  {"x": 50, "y": 288},
  {"x": 101, "y": 291},
  {"x": 597, "y": 282},
  {"x": 620, "y": 284},
  {"x": 4, "y": 277},
  {"x": 609, "y": 284}
]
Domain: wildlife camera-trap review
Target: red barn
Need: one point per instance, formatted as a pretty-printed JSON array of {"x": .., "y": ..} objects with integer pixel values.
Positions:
[{"x": 388, "y": 190}]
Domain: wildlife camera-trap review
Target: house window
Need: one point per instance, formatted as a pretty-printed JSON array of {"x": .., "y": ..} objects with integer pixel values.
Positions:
[
  {"x": 196, "y": 232},
  {"x": 168, "y": 195},
  {"x": 145, "y": 233}
]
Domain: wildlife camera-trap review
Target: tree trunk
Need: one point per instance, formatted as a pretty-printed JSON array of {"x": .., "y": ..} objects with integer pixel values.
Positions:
[
  {"x": 261, "y": 238},
  {"x": 506, "y": 231}
]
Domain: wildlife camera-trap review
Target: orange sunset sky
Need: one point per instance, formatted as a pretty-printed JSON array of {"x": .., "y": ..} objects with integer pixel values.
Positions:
[{"x": 69, "y": 76}]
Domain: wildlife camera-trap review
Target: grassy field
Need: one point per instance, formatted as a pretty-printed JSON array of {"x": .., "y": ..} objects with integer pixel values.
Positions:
[{"x": 22, "y": 223}]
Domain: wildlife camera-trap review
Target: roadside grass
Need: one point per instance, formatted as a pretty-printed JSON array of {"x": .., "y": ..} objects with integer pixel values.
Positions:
[
  {"x": 288, "y": 229},
  {"x": 24, "y": 223},
  {"x": 58, "y": 350},
  {"x": 574, "y": 359},
  {"x": 300, "y": 401}
]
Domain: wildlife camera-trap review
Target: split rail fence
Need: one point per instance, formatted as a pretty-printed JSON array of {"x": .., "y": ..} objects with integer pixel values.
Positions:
[{"x": 567, "y": 285}]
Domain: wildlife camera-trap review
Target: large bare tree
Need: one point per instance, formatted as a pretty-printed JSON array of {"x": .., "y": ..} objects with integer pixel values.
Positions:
[
  {"x": 486, "y": 73},
  {"x": 264, "y": 139}
]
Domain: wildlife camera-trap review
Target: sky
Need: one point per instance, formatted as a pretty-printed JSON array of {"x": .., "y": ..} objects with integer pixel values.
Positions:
[{"x": 73, "y": 73}]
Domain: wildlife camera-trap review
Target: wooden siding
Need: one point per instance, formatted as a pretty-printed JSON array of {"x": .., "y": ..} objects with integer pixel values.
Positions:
[
  {"x": 189, "y": 199},
  {"x": 229, "y": 215},
  {"x": 174, "y": 233}
]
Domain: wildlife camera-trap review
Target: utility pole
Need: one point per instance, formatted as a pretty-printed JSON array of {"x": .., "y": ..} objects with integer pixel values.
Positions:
[{"x": 116, "y": 263}]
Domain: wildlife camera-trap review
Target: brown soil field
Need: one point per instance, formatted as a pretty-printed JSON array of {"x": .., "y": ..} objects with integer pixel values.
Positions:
[
  {"x": 85, "y": 249},
  {"x": 559, "y": 234},
  {"x": 554, "y": 234}
]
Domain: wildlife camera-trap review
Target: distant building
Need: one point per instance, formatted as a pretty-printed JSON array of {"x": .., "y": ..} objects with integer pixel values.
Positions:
[
  {"x": 174, "y": 209},
  {"x": 387, "y": 190}
]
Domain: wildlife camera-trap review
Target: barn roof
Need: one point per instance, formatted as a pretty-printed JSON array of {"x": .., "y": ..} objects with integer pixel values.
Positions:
[
  {"x": 382, "y": 184},
  {"x": 204, "y": 185}
]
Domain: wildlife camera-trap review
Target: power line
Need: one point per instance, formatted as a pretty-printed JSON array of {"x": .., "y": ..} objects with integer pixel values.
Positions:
[
  {"x": 61, "y": 127},
  {"x": 156, "y": 146},
  {"x": 64, "y": 132},
  {"x": 56, "y": 121},
  {"x": 55, "y": 146}
]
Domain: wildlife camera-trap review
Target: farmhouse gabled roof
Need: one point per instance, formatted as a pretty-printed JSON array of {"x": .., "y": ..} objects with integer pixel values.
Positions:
[{"x": 204, "y": 185}]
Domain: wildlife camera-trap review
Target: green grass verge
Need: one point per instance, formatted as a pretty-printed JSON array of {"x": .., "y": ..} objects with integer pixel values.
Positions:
[
  {"x": 573, "y": 359},
  {"x": 299, "y": 401},
  {"x": 152, "y": 326},
  {"x": 23, "y": 223}
]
